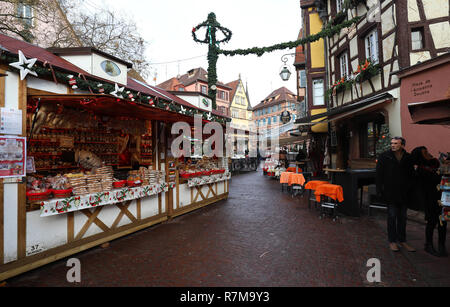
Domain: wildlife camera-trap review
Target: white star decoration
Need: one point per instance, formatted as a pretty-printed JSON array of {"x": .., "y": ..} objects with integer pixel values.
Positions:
[
  {"x": 117, "y": 90},
  {"x": 24, "y": 71},
  {"x": 183, "y": 110},
  {"x": 209, "y": 116}
]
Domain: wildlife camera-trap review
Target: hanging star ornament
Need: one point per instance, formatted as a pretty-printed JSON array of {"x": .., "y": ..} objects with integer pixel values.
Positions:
[
  {"x": 117, "y": 90},
  {"x": 182, "y": 110},
  {"x": 24, "y": 65}
]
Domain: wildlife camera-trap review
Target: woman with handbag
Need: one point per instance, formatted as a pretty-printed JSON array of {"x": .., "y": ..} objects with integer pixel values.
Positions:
[{"x": 427, "y": 196}]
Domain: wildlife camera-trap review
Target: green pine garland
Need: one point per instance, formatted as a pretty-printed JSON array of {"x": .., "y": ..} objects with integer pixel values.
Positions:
[
  {"x": 328, "y": 31},
  {"x": 93, "y": 86}
]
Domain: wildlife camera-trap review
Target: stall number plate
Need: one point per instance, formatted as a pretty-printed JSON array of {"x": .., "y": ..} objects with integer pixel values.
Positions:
[{"x": 35, "y": 249}]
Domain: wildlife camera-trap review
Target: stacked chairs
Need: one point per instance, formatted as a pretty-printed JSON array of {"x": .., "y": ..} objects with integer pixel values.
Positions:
[
  {"x": 312, "y": 186},
  {"x": 296, "y": 183},
  {"x": 329, "y": 196}
]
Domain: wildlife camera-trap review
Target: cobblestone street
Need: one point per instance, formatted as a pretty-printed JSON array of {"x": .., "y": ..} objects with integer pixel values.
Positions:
[{"x": 259, "y": 237}]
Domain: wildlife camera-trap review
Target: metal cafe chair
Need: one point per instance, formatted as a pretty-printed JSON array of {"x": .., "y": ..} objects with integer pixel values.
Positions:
[{"x": 328, "y": 206}]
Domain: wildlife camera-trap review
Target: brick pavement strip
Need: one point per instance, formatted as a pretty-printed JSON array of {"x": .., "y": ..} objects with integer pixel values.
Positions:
[{"x": 259, "y": 237}]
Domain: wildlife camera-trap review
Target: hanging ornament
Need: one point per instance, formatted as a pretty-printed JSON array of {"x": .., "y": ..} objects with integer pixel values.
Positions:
[
  {"x": 117, "y": 90},
  {"x": 24, "y": 65},
  {"x": 151, "y": 102},
  {"x": 72, "y": 81},
  {"x": 130, "y": 95},
  {"x": 182, "y": 110},
  {"x": 101, "y": 90}
]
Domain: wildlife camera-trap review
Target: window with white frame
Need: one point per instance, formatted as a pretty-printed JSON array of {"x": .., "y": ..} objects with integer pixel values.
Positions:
[
  {"x": 343, "y": 64},
  {"x": 204, "y": 89},
  {"x": 371, "y": 44},
  {"x": 25, "y": 12},
  {"x": 318, "y": 92}
]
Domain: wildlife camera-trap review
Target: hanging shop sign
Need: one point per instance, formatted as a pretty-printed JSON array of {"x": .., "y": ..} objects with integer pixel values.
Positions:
[
  {"x": 12, "y": 157},
  {"x": 285, "y": 117}
]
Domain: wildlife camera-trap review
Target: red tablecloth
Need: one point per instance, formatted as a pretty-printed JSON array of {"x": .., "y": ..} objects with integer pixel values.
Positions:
[
  {"x": 296, "y": 179},
  {"x": 333, "y": 191},
  {"x": 285, "y": 177}
]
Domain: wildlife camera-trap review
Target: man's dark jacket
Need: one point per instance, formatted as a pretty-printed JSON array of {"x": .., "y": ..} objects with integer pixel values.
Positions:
[{"x": 394, "y": 178}]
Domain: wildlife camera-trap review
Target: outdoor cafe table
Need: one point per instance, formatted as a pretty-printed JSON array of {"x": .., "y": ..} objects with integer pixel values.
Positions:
[
  {"x": 285, "y": 177},
  {"x": 333, "y": 191},
  {"x": 298, "y": 179}
]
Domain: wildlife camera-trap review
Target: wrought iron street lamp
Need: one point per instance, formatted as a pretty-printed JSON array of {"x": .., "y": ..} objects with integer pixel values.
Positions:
[{"x": 285, "y": 73}]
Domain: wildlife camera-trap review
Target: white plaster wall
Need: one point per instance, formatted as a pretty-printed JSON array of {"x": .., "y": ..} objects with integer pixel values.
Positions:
[
  {"x": 44, "y": 85},
  {"x": 353, "y": 47},
  {"x": 377, "y": 82},
  {"x": 441, "y": 34},
  {"x": 10, "y": 222},
  {"x": 435, "y": 8},
  {"x": 149, "y": 206},
  {"x": 49, "y": 232},
  {"x": 82, "y": 61},
  {"x": 413, "y": 11},
  {"x": 419, "y": 56},
  {"x": 12, "y": 90},
  {"x": 393, "y": 109},
  {"x": 387, "y": 21},
  {"x": 388, "y": 47}
]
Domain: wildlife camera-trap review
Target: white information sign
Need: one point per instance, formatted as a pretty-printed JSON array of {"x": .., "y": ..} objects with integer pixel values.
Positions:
[{"x": 11, "y": 121}]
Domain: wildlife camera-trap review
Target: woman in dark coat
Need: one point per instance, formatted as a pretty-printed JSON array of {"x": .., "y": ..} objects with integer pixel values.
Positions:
[{"x": 426, "y": 197}]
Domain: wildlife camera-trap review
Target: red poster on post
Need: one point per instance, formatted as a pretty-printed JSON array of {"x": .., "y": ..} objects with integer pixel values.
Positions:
[{"x": 13, "y": 157}]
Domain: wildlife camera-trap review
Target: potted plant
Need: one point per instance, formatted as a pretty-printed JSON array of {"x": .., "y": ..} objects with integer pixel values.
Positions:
[
  {"x": 366, "y": 71},
  {"x": 340, "y": 86}
]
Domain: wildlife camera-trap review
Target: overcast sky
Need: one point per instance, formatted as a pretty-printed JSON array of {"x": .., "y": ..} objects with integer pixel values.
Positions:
[{"x": 167, "y": 26}]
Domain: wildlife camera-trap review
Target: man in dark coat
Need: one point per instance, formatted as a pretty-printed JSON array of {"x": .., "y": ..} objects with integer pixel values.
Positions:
[{"x": 394, "y": 179}]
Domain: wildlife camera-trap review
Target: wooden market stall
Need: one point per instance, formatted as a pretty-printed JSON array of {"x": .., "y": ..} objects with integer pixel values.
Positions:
[{"x": 85, "y": 156}]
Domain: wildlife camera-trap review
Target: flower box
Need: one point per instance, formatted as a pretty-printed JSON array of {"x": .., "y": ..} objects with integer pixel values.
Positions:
[{"x": 366, "y": 71}]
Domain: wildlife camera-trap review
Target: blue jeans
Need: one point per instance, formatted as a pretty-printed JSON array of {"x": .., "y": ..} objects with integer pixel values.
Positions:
[{"x": 397, "y": 223}]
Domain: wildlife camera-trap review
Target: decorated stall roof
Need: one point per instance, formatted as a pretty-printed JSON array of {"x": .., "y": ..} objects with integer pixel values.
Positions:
[{"x": 52, "y": 67}]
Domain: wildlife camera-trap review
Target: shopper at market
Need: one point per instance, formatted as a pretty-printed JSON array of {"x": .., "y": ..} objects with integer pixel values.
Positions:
[
  {"x": 426, "y": 196},
  {"x": 394, "y": 178}
]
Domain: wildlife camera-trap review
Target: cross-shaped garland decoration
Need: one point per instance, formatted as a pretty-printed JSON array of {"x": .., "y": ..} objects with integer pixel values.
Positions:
[
  {"x": 333, "y": 27},
  {"x": 213, "y": 54}
]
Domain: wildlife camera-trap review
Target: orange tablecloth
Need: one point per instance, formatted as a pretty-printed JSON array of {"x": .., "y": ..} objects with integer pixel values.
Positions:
[
  {"x": 333, "y": 191},
  {"x": 312, "y": 185},
  {"x": 296, "y": 179},
  {"x": 284, "y": 177},
  {"x": 294, "y": 170}
]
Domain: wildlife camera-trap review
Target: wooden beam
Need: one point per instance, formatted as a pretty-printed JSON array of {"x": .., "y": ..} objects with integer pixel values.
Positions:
[
  {"x": 21, "y": 187},
  {"x": 70, "y": 226},
  {"x": 2, "y": 223},
  {"x": 89, "y": 222}
]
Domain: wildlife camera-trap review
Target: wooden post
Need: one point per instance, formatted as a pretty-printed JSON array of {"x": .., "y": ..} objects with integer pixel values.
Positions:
[
  {"x": 21, "y": 188},
  {"x": 2, "y": 104}
]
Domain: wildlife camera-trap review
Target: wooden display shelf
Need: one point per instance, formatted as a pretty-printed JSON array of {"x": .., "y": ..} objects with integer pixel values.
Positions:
[
  {"x": 105, "y": 143},
  {"x": 38, "y": 155},
  {"x": 56, "y": 168}
]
